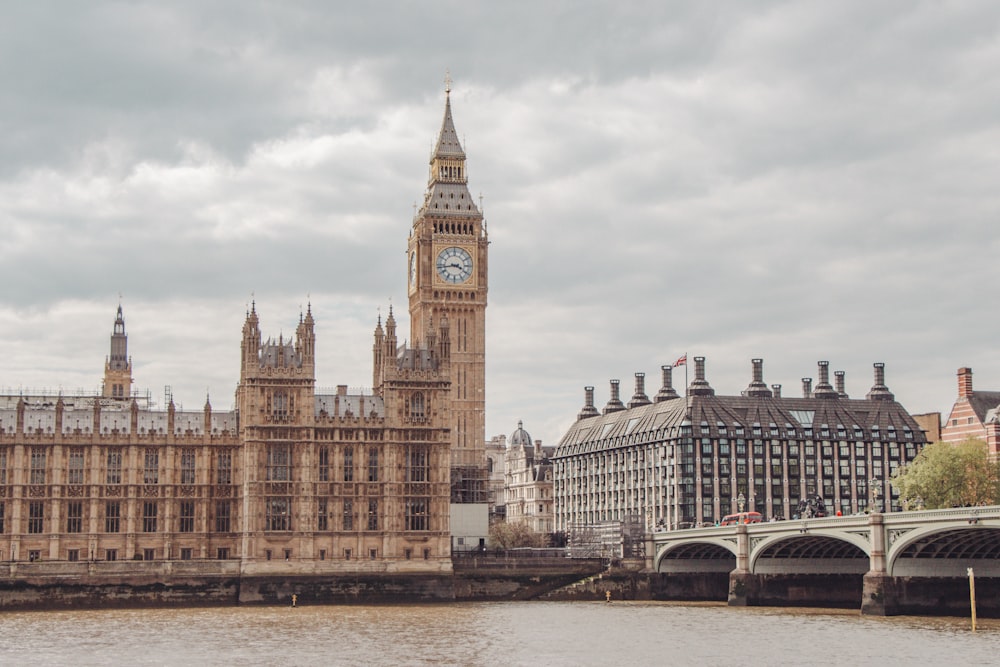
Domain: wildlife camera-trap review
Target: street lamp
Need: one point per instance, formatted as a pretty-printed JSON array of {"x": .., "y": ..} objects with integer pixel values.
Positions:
[
  {"x": 876, "y": 490},
  {"x": 741, "y": 502}
]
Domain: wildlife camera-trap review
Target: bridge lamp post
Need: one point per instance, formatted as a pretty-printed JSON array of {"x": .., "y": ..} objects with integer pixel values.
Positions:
[
  {"x": 876, "y": 487},
  {"x": 741, "y": 502}
]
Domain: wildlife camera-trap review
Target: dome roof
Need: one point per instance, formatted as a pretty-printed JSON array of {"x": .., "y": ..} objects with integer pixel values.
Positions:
[{"x": 520, "y": 437}]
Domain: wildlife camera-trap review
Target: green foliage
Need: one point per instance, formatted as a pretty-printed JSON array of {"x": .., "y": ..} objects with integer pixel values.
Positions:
[
  {"x": 945, "y": 475},
  {"x": 505, "y": 535}
]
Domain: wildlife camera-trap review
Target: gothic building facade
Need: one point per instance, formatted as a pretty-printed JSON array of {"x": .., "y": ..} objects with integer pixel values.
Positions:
[
  {"x": 447, "y": 269},
  {"x": 341, "y": 481},
  {"x": 291, "y": 477}
]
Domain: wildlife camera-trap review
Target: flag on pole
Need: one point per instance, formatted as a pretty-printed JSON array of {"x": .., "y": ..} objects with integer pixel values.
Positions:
[{"x": 682, "y": 360}]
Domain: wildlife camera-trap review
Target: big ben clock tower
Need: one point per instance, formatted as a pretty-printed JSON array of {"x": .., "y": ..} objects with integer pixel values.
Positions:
[{"x": 446, "y": 271}]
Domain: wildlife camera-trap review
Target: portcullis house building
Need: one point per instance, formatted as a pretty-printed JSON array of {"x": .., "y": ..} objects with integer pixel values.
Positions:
[{"x": 679, "y": 461}]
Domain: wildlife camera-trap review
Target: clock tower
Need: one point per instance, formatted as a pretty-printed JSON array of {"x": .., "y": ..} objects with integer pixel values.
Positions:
[{"x": 447, "y": 276}]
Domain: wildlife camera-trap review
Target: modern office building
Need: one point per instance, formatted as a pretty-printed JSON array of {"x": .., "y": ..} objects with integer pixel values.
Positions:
[{"x": 677, "y": 461}]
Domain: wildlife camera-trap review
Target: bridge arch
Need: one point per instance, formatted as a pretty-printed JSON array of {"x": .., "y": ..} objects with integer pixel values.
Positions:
[
  {"x": 698, "y": 555},
  {"x": 945, "y": 550},
  {"x": 811, "y": 552}
]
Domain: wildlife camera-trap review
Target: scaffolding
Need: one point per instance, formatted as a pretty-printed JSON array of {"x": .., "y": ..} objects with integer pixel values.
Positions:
[{"x": 608, "y": 539}]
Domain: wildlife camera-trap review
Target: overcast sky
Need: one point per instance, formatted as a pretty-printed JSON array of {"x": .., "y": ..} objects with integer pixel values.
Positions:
[{"x": 797, "y": 181}]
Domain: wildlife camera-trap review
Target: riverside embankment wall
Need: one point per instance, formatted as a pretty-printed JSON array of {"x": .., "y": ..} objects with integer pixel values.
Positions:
[{"x": 159, "y": 584}]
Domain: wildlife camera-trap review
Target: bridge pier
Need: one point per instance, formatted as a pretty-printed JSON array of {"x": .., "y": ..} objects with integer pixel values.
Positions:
[
  {"x": 879, "y": 595},
  {"x": 917, "y": 561},
  {"x": 742, "y": 584}
]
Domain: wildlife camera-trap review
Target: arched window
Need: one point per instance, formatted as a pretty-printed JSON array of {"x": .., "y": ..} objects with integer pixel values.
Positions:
[
  {"x": 279, "y": 404},
  {"x": 417, "y": 407}
]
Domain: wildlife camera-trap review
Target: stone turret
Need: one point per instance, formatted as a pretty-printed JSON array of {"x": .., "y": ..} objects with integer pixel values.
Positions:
[{"x": 118, "y": 365}]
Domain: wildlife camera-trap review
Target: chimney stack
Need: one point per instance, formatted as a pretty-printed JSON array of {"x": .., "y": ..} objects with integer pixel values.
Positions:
[
  {"x": 879, "y": 392},
  {"x": 699, "y": 386},
  {"x": 615, "y": 402},
  {"x": 757, "y": 387},
  {"x": 807, "y": 387},
  {"x": 838, "y": 383},
  {"x": 667, "y": 391},
  {"x": 965, "y": 382},
  {"x": 588, "y": 405},
  {"x": 776, "y": 388},
  {"x": 639, "y": 398},
  {"x": 823, "y": 388}
]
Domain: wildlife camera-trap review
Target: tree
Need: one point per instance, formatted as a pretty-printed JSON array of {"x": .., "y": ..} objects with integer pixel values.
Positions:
[
  {"x": 505, "y": 535},
  {"x": 946, "y": 475}
]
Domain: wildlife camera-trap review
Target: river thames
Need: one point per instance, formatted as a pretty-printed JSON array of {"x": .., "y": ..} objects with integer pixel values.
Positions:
[{"x": 502, "y": 633}]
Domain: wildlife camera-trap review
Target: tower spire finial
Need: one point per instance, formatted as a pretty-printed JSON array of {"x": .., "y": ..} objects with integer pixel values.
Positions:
[{"x": 447, "y": 82}]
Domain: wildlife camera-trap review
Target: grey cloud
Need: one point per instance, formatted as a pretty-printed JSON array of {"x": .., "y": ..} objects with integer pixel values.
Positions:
[{"x": 791, "y": 180}]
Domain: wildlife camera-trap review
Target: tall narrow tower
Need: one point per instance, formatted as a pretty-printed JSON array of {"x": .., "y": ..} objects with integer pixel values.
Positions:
[
  {"x": 448, "y": 277},
  {"x": 118, "y": 365}
]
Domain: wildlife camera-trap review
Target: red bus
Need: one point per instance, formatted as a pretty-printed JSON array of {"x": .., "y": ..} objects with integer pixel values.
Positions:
[{"x": 742, "y": 517}]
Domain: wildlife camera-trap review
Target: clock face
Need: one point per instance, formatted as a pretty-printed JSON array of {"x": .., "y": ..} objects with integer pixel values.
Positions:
[
  {"x": 413, "y": 268},
  {"x": 454, "y": 265}
]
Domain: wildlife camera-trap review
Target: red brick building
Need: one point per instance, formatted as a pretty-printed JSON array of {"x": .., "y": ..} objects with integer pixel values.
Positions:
[{"x": 976, "y": 414}]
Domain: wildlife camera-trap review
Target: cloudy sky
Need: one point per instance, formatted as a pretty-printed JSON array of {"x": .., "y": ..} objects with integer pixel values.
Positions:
[{"x": 797, "y": 181}]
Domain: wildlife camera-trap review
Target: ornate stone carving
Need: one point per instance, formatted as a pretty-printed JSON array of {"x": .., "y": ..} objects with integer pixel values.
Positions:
[
  {"x": 863, "y": 534},
  {"x": 894, "y": 534},
  {"x": 150, "y": 491}
]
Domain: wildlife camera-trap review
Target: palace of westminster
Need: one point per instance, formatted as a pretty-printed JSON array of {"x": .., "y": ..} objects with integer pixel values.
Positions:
[
  {"x": 383, "y": 481},
  {"x": 362, "y": 482}
]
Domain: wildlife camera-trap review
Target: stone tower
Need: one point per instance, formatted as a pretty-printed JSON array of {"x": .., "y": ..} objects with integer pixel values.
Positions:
[
  {"x": 447, "y": 275},
  {"x": 277, "y": 377},
  {"x": 118, "y": 365}
]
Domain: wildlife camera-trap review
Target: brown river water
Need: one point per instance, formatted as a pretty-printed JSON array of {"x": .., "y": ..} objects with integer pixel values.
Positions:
[{"x": 502, "y": 633}]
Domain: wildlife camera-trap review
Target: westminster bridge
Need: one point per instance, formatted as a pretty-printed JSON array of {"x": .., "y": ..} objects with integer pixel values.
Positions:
[{"x": 893, "y": 563}]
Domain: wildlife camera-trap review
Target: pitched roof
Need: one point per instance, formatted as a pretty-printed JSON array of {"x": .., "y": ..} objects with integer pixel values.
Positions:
[
  {"x": 709, "y": 415},
  {"x": 447, "y": 143},
  {"x": 984, "y": 401}
]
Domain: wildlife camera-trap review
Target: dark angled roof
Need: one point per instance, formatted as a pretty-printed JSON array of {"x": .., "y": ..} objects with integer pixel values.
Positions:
[
  {"x": 709, "y": 415},
  {"x": 520, "y": 437},
  {"x": 279, "y": 354},
  {"x": 447, "y": 143},
  {"x": 984, "y": 401},
  {"x": 448, "y": 194}
]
